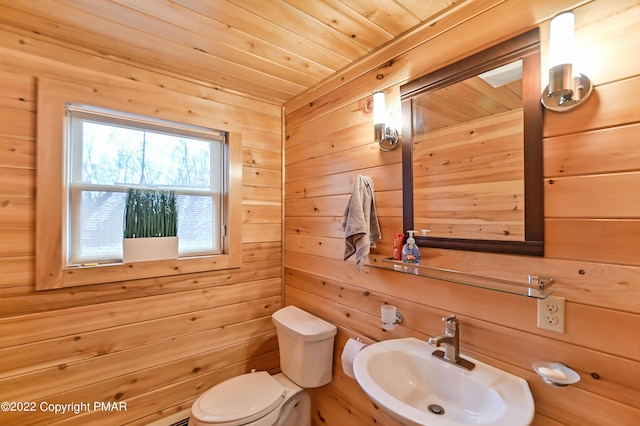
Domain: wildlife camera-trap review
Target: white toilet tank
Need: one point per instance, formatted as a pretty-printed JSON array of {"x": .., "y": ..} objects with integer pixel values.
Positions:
[{"x": 306, "y": 346}]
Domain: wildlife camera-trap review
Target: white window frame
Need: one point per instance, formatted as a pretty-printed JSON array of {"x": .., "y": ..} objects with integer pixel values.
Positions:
[{"x": 78, "y": 114}]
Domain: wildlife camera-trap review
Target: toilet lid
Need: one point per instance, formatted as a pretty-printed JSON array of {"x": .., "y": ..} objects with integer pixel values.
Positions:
[{"x": 240, "y": 399}]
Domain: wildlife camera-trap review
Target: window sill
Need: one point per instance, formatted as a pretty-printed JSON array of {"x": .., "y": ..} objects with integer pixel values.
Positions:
[{"x": 72, "y": 275}]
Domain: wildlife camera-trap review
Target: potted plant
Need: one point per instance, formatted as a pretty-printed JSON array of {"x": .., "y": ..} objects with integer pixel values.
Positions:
[{"x": 150, "y": 225}]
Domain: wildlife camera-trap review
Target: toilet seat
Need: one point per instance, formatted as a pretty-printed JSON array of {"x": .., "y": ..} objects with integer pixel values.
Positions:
[{"x": 239, "y": 400}]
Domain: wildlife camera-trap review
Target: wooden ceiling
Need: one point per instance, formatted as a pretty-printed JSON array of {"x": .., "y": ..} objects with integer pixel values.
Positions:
[
  {"x": 272, "y": 50},
  {"x": 463, "y": 102}
]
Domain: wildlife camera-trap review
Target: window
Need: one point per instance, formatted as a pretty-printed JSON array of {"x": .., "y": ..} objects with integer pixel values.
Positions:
[
  {"x": 78, "y": 221},
  {"x": 110, "y": 152}
]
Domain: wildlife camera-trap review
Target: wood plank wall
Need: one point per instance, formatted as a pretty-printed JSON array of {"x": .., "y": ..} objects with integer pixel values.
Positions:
[
  {"x": 475, "y": 188},
  {"x": 155, "y": 344},
  {"x": 592, "y": 219}
]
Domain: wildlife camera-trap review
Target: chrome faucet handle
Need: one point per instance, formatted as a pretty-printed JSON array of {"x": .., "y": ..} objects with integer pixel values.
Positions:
[
  {"x": 451, "y": 319},
  {"x": 451, "y": 323}
]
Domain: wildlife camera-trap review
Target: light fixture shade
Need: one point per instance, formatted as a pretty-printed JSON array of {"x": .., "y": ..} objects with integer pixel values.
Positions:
[
  {"x": 379, "y": 108},
  {"x": 386, "y": 137},
  {"x": 567, "y": 88},
  {"x": 561, "y": 41}
]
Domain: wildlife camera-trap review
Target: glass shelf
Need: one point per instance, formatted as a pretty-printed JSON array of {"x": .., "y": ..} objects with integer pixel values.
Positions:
[{"x": 536, "y": 286}]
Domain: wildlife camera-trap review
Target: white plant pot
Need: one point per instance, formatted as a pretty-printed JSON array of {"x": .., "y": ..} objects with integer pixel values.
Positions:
[{"x": 147, "y": 249}]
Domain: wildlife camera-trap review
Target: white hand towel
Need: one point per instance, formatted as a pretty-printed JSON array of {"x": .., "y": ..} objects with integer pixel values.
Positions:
[{"x": 360, "y": 222}]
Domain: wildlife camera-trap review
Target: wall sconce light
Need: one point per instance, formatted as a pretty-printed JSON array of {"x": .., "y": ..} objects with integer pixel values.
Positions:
[
  {"x": 567, "y": 89},
  {"x": 387, "y": 137}
]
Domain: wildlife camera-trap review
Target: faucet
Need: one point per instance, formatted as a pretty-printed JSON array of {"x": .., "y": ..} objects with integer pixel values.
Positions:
[{"x": 451, "y": 341}]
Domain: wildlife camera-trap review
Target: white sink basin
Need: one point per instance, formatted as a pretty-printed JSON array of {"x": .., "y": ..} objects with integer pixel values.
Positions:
[{"x": 412, "y": 386}]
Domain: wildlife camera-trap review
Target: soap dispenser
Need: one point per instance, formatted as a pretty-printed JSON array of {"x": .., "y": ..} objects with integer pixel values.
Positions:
[{"x": 410, "y": 251}]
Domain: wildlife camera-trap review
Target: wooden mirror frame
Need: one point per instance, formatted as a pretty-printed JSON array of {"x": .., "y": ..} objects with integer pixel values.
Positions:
[{"x": 526, "y": 47}]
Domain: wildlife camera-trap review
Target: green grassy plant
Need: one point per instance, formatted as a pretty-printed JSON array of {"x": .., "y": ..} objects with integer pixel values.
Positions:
[{"x": 150, "y": 213}]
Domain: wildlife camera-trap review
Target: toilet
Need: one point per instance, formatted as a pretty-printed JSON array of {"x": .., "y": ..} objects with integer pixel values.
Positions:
[{"x": 260, "y": 399}]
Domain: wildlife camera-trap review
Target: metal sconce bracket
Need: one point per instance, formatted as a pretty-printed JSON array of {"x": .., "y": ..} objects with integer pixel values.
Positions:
[
  {"x": 565, "y": 91},
  {"x": 386, "y": 137}
]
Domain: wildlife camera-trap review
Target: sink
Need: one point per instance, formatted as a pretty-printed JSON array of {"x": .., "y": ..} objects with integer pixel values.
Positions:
[{"x": 415, "y": 388}]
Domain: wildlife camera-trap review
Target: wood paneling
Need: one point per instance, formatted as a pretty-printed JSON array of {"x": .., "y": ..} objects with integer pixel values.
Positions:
[
  {"x": 595, "y": 152},
  {"x": 573, "y": 197},
  {"x": 591, "y": 159},
  {"x": 158, "y": 343},
  {"x": 448, "y": 40},
  {"x": 597, "y": 240},
  {"x": 470, "y": 179},
  {"x": 153, "y": 343},
  {"x": 17, "y": 153},
  {"x": 268, "y": 50}
]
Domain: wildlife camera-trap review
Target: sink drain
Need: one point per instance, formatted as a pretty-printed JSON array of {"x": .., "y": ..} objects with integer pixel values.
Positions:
[{"x": 436, "y": 409}]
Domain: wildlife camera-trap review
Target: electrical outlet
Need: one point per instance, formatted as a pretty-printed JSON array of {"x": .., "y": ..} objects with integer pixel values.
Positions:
[{"x": 551, "y": 313}]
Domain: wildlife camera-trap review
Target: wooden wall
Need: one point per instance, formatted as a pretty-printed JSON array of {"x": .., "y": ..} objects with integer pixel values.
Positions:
[
  {"x": 466, "y": 189},
  {"x": 592, "y": 220},
  {"x": 155, "y": 344}
]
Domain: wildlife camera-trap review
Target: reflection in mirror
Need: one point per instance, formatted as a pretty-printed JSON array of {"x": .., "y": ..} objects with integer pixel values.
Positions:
[
  {"x": 473, "y": 164},
  {"x": 468, "y": 163}
]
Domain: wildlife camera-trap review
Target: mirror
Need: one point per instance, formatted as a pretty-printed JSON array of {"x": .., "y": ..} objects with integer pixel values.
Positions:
[{"x": 472, "y": 152}]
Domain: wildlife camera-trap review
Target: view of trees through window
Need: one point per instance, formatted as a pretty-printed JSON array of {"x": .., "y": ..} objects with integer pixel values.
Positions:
[
  {"x": 118, "y": 155},
  {"x": 107, "y": 159}
]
